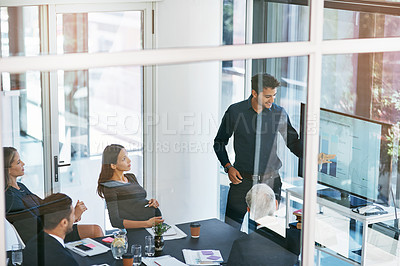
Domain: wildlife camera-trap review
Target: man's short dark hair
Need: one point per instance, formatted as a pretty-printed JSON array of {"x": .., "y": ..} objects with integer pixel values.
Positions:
[
  {"x": 55, "y": 208},
  {"x": 263, "y": 80}
]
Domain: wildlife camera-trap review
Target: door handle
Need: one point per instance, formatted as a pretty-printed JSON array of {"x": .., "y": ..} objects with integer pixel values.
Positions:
[{"x": 56, "y": 166}]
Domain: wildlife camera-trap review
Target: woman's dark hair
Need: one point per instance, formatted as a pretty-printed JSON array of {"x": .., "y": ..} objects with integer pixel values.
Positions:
[
  {"x": 8, "y": 156},
  {"x": 110, "y": 156}
]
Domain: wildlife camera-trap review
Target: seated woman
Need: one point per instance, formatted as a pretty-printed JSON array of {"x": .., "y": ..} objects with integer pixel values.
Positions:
[
  {"x": 126, "y": 199},
  {"x": 22, "y": 206}
]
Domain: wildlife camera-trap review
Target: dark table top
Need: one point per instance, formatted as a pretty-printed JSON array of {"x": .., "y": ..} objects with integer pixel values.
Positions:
[{"x": 214, "y": 234}]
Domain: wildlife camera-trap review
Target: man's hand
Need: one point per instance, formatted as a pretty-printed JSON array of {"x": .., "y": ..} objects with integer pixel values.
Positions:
[
  {"x": 79, "y": 209},
  {"x": 153, "y": 203},
  {"x": 324, "y": 158},
  {"x": 234, "y": 176}
]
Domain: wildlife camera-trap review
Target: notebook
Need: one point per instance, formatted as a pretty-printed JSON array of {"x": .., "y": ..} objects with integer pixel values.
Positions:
[
  {"x": 202, "y": 257},
  {"x": 96, "y": 247}
]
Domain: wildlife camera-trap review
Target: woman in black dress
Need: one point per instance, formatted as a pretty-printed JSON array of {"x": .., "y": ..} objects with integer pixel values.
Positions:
[{"x": 126, "y": 199}]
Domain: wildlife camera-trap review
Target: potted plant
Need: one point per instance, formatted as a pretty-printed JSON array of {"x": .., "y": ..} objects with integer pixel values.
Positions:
[{"x": 159, "y": 230}]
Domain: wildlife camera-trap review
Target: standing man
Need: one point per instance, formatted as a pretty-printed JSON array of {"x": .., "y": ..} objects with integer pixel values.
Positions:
[
  {"x": 48, "y": 248},
  {"x": 255, "y": 124}
]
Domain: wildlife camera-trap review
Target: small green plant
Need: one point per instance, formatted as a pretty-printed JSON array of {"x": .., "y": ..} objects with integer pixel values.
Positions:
[{"x": 160, "y": 229}]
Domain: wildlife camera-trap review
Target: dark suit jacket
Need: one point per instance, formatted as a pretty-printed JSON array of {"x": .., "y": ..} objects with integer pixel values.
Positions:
[
  {"x": 47, "y": 251},
  {"x": 255, "y": 249}
]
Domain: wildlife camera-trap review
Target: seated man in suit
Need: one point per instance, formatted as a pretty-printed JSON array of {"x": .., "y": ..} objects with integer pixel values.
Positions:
[
  {"x": 255, "y": 248},
  {"x": 48, "y": 248}
]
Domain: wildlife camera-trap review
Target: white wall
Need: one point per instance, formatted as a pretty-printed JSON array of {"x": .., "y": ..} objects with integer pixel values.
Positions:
[{"x": 187, "y": 100}]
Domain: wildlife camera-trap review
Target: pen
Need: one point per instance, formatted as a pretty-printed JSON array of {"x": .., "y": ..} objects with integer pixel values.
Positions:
[{"x": 157, "y": 263}]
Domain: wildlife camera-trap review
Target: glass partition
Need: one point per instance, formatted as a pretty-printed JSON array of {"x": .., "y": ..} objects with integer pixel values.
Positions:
[
  {"x": 23, "y": 125},
  {"x": 169, "y": 117},
  {"x": 280, "y": 21},
  {"x": 187, "y": 117},
  {"x": 20, "y": 31},
  {"x": 94, "y": 32},
  {"x": 273, "y": 21},
  {"x": 359, "y": 124},
  {"x": 354, "y": 19},
  {"x": 98, "y": 107}
]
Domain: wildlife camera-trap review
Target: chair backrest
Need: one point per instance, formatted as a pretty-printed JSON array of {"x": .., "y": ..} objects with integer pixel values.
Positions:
[{"x": 12, "y": 236}]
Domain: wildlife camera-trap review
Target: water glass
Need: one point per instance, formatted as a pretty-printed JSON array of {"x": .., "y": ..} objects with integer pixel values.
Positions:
[
  {"x": 16, "y": 255},
  {"x": 149, "y": 249},
  {"x": 137, "y": 254}
]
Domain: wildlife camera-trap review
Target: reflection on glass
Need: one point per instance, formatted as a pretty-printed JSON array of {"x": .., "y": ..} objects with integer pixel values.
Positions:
[
  {"x": 277, "y": 21},
  {"x": 292, "y": 74},
  {"x": 101, "y": 106},
  {"x": 232, "y": 90},
  {"x": 20, "y": 34},
  {"x": 22, "y": 127},
  {"x": 360, "y": 20},
  {"x": 339, "y": 81},
  {"x": 365, "y": 85},
  {"x": 362, "y": 84},
  {"x": 22, "y": 124},
  {"x": 99, "y": 32},
  {"x": 365, "y": 137},
  {"x": 234, "y": 22}
]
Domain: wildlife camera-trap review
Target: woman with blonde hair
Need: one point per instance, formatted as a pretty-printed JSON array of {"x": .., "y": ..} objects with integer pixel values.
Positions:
[{"x": 23, "y": 207}]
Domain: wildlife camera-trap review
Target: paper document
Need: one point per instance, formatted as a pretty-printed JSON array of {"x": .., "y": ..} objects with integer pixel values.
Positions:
[
  {"x": 96, "y": 247},
  {"x": 170, "y": 232},
  {"x": 162, "y": 261},
  {"x": 178, "y": 233},
  {"x": 202, "y": 257}
]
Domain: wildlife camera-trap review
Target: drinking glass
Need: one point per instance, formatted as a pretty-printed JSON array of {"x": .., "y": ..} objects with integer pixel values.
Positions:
[
  {"x": 149, "y": 249},
  {"x": 16, "y": 255},
  {"x": 137, "y": 254}
]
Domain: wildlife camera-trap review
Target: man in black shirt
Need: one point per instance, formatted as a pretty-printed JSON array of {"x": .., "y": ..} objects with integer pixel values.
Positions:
[{"x": 255, "y": 124}]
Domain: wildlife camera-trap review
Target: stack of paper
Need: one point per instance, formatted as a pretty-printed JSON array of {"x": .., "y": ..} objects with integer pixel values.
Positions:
[
  {"x": 202, "y": 257},
  {"x": 96, "y": 247},
  {"x": 173, "y": 233},
  {"x": 162, "y": 261}
]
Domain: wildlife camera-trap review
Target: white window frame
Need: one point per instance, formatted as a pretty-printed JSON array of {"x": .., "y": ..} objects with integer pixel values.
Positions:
[
  {"x": 68, "y": 2},
  {"x": 315, "y": 48}
]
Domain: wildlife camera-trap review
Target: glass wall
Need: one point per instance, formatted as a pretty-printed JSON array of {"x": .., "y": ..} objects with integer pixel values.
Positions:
[
  {"x": 171, "y": 114},
  {"x": 280, "y": 21},
  {"x": 22, "y": 92},
  {"x": 354, "y": 20},
  {"x": 359, "y": 124},
  {"x": 99, "y": 106}
]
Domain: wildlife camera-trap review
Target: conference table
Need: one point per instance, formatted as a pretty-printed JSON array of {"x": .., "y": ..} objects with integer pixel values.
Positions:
[{"x": 214, "y": 234}]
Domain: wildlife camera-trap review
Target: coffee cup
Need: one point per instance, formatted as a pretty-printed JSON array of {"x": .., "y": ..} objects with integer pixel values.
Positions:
[
  {"x": 127, "y": 259},
  {"x": 195, "y": 230}
]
